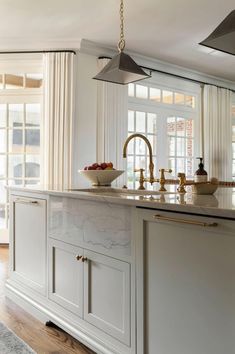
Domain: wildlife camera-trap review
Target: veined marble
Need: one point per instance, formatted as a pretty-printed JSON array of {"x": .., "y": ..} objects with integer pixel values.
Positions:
[
  {"x": 87, "y": 222},
  {"x": 221, "y": 204}
]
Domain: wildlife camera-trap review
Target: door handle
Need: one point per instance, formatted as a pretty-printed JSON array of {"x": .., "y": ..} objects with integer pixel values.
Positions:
[
  {"x": 26, "y": 201},
  {"x": 185, "y": 221}
]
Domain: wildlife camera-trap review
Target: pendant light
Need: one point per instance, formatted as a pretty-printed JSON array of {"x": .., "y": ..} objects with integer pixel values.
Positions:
[
  {"x": 223, "y": 37},
  {"x": 122, "y": 69}
]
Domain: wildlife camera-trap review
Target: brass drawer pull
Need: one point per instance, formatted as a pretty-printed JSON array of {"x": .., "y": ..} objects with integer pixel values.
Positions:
[
  {"x": 78, "y": 257},
  {"x": 185, "y": 221},
  {"x": 84, "y": 259},
  {"x": 26, "y": 201}
]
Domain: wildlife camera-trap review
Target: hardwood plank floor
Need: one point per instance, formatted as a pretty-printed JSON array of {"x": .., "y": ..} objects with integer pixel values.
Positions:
[{"x": 42, "y": 339}]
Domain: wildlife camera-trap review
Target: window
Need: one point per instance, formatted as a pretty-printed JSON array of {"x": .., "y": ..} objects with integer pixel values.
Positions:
[
  {"x": 20, "y": 121},
  {"x": 168, "y": 115},
  {"x": 180, "y": 135}
]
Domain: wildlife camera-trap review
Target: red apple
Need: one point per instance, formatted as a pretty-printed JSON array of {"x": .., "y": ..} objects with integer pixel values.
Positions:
[
  {"x": 98, "y": 168},
  {"x": 103, "y": 165},
  {"x": 86, "y": 168}
]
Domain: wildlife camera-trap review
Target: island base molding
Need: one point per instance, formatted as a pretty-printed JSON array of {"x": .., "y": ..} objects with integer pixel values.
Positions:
[{"x": 44, "y": 314}]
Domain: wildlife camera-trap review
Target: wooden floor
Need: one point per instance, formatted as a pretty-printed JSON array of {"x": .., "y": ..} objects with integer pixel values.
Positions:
[{"x": 42, "y": 339}]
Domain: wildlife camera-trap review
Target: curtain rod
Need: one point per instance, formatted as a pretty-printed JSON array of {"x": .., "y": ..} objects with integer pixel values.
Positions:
[
  {"x": 39, "y": 51},
  {"x": 175, "y": 75}
]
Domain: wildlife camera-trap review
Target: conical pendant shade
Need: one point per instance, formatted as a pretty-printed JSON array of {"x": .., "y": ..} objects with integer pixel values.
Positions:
[
  {"x": 223, "y": 37},
  {"x": 122, "y": 69}
]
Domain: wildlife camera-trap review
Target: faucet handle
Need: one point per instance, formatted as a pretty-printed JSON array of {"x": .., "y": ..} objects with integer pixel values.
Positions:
[
  {"x": 182, "y": 182},
  {"x": 163, "y": 170},
  {"x": 141, "y": 179},
  {"x": 162, "y": 179},
  {"x": 139, "y": 170}
]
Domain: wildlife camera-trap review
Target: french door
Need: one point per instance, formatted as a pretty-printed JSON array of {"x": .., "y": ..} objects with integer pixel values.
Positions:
[{"x": 20, "y": 121}]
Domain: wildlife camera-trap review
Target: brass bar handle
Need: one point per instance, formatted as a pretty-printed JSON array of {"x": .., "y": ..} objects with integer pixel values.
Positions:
[
  {"x": 84, "y": 259},
  {"x": 78, "y": 257},
  {"x": 185, "y": 221},
  {"x": 26, "y": 201}
]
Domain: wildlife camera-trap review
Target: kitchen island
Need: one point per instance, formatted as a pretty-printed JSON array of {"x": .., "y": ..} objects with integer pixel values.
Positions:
[{"x": 124, "y": 272}]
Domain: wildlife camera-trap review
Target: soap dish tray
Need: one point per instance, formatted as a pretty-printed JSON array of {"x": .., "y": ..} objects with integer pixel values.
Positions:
[{"x": 204, "y": 188}]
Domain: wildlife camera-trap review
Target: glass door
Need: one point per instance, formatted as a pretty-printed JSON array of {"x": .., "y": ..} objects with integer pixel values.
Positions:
[{"x": 20, "y": 119}]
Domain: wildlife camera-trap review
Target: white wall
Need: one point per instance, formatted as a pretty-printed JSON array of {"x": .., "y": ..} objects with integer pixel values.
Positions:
[{"x": 84, "y": 151}]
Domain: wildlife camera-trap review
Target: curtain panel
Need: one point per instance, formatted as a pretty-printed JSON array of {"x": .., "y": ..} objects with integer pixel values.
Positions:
[
  {"x": 111, "y": 121},
  {"x": 217, "y": 122},
  {"x": 58, "y": 119}
]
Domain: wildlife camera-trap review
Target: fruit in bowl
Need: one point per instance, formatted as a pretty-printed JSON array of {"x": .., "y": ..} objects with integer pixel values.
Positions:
[
  {"x": 102, "y": 174},
  {"x": 102, "y": 166}
]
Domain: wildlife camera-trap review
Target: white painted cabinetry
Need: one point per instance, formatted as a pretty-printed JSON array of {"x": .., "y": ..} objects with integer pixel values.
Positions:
[
  {"x": 124, "y": 280},
  {"x": 75, "y": 270},
  {"x": 107, "y": 290},
  {"x": 28, "y": 242},
  {"x": 66, "y": 276},
  {"x": 186, "y": 284},
  {"x": 93, "y": 286}
]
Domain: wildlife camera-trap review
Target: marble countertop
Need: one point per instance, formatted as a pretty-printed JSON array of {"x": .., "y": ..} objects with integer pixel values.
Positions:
[{"x": 221, "y": 204}]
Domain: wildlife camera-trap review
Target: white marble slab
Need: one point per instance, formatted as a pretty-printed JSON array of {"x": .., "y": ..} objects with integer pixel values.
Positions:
[
  {"x": 90, "y": 224},
  {"x": 221, "y": 204}
]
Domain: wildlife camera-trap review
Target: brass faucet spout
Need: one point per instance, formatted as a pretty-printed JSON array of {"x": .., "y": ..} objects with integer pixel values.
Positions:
[{"x": 151, "y": 164}]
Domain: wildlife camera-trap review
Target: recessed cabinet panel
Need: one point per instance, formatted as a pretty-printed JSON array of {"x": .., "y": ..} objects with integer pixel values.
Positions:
[
  {"x": 66, "y": 276},
  {"x": 189, "y": 288},
  {"x": 29, "y": 242},
  {"x": 107, "y": 295}
]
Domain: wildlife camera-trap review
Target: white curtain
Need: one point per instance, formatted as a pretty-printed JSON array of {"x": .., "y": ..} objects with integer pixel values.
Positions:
[
  {"x": 111, "y": 121},
  {"x": 217, "y": 122},
  {"x": 58, "y": 119}
]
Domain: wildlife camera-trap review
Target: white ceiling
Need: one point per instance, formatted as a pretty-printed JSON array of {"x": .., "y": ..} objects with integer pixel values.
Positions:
[{"x": 168, "y": 30}]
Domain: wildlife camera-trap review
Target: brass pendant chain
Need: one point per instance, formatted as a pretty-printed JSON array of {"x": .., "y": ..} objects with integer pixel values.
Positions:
[{"x": 121, "y": 43}]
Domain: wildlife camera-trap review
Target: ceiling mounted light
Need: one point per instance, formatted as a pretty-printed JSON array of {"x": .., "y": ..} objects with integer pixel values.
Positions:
[
  {"x": 223, "y": 37},
  {"x": 122, "y": 69}
]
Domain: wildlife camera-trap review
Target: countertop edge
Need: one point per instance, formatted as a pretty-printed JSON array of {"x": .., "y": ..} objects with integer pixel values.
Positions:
[{"x": 157, "y": 204}]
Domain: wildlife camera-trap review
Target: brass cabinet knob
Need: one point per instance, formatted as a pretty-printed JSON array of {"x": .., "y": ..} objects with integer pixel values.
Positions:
[
  {"x": 84, "y": 259},
  {"x": 78, "y": 257}
]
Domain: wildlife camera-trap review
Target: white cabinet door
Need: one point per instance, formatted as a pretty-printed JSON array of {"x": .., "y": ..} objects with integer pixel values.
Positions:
[
  {"x": 66, "y": 276},
  {"x": 107, "y": 295},
  {"x": 189, "y": 285},
  {"x": 28, "y": 238}
]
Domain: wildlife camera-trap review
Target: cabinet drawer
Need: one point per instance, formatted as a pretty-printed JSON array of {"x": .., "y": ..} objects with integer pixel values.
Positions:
[{"x": 107, "y": 295}]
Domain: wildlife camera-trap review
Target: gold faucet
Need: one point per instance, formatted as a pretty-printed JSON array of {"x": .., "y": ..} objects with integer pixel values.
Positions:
[
  {"x": 151, "y": 164},
  {"x": 151, "y": 178}
]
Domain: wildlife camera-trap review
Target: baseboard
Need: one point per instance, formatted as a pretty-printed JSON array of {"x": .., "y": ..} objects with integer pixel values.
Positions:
[{"x": 43, "y": 314}]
